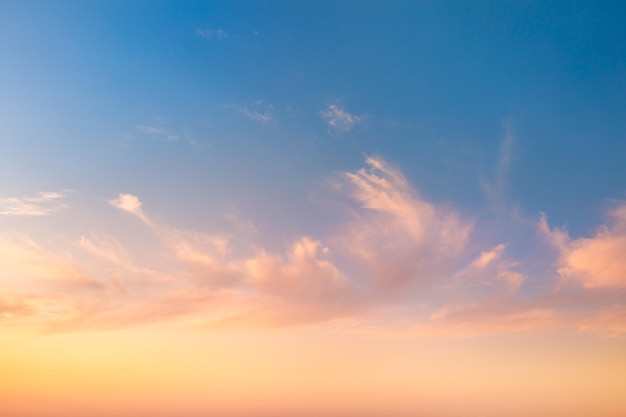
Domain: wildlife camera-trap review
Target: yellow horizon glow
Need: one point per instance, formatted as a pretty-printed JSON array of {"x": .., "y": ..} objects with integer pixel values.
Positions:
[{"x": 164, "y": 371}]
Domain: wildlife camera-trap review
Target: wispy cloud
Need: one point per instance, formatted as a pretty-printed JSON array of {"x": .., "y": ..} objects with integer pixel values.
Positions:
[
  {"x": 128, "y": 202},
  {"x": 44, "y": 203},
  {"x": 157, "y": 131},
  {"x": 338, "y": 119},
  {"x": 302, "y": 274},
  {"x": 212, "y": 34},
  {"x": 394, "y": 258},
  {"x": 259, "y": 111},
  {"x": 595, "y": 262},
  {"x": 495, "y": 188},
  {"x": 487, "y": 258},
  {"x": 398, "y": 237},
  {"x": 23, "y": 261}
]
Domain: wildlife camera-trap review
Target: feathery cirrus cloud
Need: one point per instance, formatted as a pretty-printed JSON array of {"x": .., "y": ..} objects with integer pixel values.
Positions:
[
  {"x": 393, "y": 250},
  {"x": 44, "y": 203},
  {"x": 259, "y": 111}
]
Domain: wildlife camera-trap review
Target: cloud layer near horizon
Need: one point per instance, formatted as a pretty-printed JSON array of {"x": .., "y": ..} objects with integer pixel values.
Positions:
[{"x": 395, "y": 258}]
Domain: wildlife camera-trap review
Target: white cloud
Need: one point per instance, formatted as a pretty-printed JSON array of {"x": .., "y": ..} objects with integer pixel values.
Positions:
[
  {"x": 42, "y": 204},
  {"x": 157, "y": 131},
  {"x": 495, "y": 189},
  {"x": 339, "y": 119},
  {"x": 258, "y": 111},
  {"x": 129, "y": 203},
  {"x": 211, "y": 34}
]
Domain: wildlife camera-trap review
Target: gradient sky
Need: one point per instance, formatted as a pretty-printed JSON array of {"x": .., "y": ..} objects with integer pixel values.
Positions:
[{"x": 313, "y": 208}]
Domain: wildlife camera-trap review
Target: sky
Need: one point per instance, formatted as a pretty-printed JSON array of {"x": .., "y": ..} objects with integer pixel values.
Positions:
[{"x": 280, "y": 209}]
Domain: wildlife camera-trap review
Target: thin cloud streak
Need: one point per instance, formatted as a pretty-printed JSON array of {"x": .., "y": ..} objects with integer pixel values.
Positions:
[
  {"x": 258, "y": 111},
  {"x": 211, "y": 34},
  {"x": 495, "y": 188},
  {"x": 43, "y": 204},
  {"x": 159, "y": 132}
]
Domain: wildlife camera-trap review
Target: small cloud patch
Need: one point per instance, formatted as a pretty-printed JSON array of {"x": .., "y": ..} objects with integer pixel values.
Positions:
[
  {"x": 339, "y": 119},
  {"x": 44, "y": 203}
]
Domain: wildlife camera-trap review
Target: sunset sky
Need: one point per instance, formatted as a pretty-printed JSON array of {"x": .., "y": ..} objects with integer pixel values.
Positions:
[{"x": 307, "y": 209}]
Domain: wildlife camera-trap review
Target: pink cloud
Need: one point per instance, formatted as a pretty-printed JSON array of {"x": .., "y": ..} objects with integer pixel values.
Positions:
[
  {"x": 24, "y": 263},
  {"x": 395, "y": 236},
  {"x": 488, "y": 257},
  {"x": 610, "y": 321},
  {"x": 129, "y": 203},
  {"x": 302, "y": 274},
  {"x": 398, "y": 261},
  {"x": 598, "y": 261}
]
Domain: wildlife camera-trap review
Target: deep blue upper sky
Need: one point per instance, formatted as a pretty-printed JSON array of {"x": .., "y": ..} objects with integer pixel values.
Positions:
[{"x": 435, "y": 85}]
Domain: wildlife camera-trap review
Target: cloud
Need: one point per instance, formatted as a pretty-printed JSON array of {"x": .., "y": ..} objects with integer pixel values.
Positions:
[
  {"x": 610, "y": 321},
  {"x": 397, "y": 236},
  {"x": 16, "y": 306},
  {"x": 22, "y": 260},
  {"x": 258, "y": 111},
  {"x": 488, "y": 257},
  {"x": 495, "y": 188},
  {"x": 595, "y": 262},
  {"x": 44, "y": 203},
  {"x": 205, "y": 258},
  {"x": 339, "y": 119},
  {"x": 212, "y": 34},
  {"x": 105, "y": 247},
  {"x": 489, "y": 269},
  {"x": 157, "y": 131},
  {"x": 202, "y": 255},
  {"x": 113, "y": 252},
  {"x": 302, "y": 275},
  {"x": 393, "y": 260},
  {"x": 486, "y": 319},
  {"x": 161, "y": 133},
  {"x": 40, "y": 285},
  {"x": 129, "y": 203}
]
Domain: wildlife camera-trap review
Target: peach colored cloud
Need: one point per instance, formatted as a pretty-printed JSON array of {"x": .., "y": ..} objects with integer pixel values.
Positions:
[
  {"x": 491, "y": 270},
  {"x": 609, "y": 321},
  {"x": 302, "y": 274},
  {"x": 399, "y": 261},
  {"x": 395, "y": 237},
  {"x": 598, "y": 261},
  {"x": 129, "y": 203},
  {"x": 44, "y": 203},
  {"x": 23, "y": 262}
]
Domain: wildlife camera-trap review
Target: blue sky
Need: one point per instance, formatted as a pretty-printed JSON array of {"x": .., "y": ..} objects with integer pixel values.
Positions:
[{"x": 433, "y": 84}]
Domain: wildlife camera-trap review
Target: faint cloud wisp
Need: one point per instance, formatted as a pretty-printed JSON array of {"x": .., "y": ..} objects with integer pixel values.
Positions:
[
  {"x": 258, "y": 111},
  {"x": 212, "y": 34},
  {"x": 44, "y": 203},
  {"x": 338, "y": 119}
]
